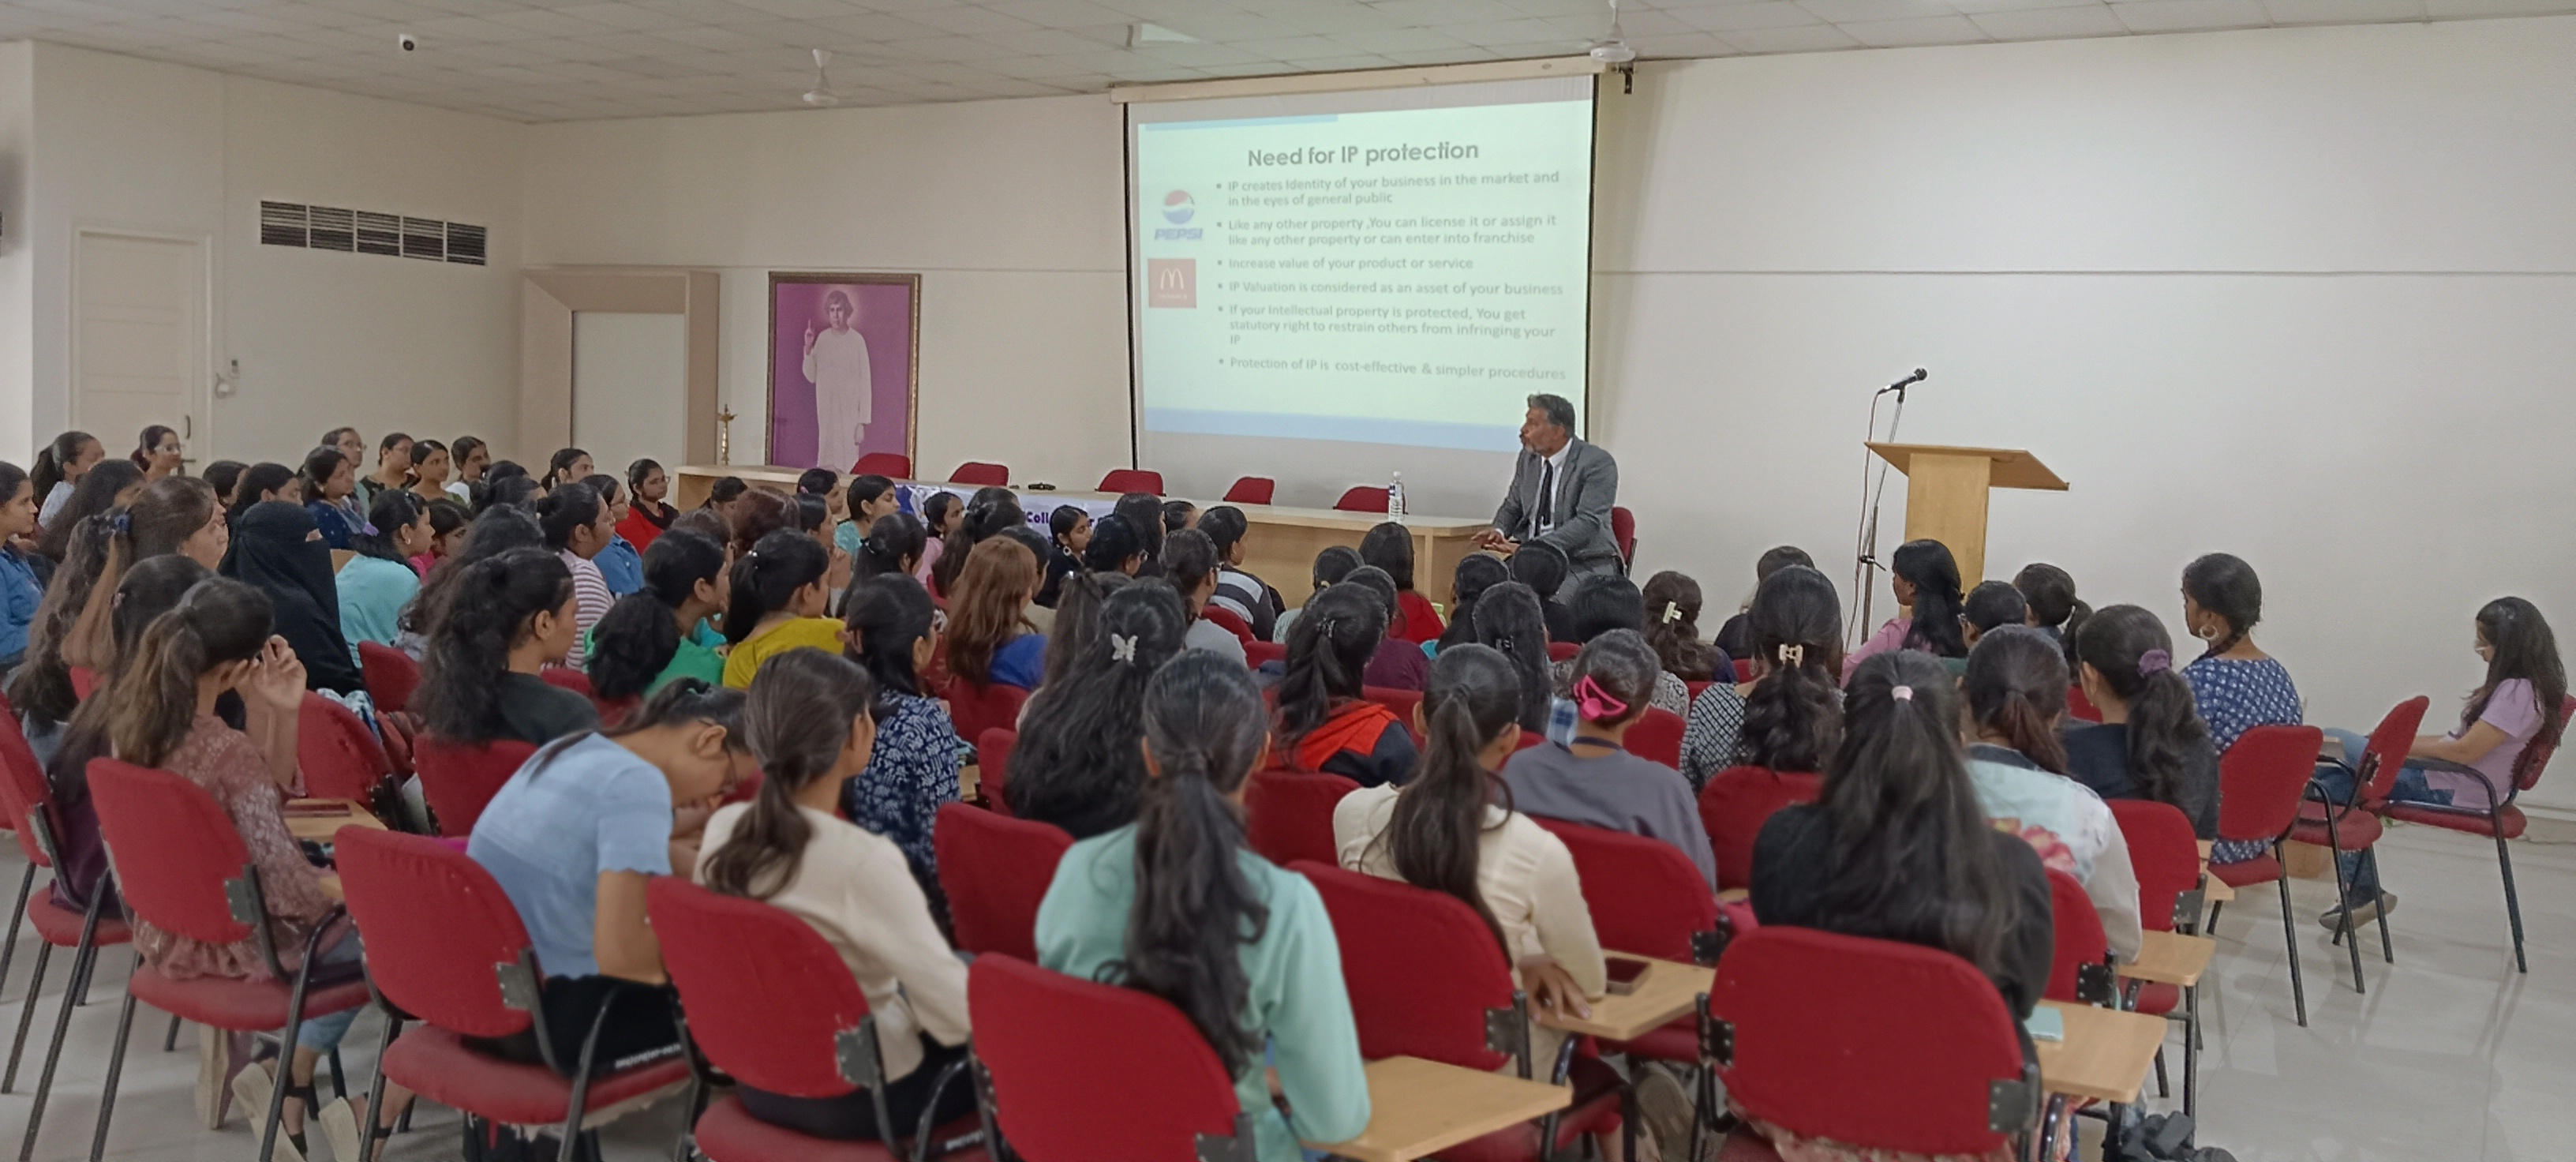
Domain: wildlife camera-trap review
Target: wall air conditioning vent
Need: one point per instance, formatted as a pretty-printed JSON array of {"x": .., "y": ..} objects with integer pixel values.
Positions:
[
  {"x": 281, "y": 224},
  {"x": 368, "y": 232},
  {"x": 464, "y": 243},
  {"x": 334, "y": 229},
  {"x": 424, "y": 238},
  {"x": 380, "y": 234}
]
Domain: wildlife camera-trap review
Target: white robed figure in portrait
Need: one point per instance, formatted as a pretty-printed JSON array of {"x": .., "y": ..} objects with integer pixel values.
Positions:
[{"x": 836, "y": 363}]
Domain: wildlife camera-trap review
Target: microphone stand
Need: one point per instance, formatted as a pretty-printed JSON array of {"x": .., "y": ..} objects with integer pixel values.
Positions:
[{"x": 1865, "y": 556}]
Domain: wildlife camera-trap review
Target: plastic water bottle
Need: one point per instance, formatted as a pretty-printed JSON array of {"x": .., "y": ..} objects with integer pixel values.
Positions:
[{"x": 1395, "y": 498}]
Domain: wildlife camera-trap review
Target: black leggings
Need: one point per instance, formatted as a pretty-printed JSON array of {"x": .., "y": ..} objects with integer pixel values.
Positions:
[
  {"x": 638, "y": 1030},
  {"x": 853, "y": 1117}
]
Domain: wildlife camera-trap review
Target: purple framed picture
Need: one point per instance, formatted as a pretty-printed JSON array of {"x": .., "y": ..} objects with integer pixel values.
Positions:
[{"x": 844, "y": 367}]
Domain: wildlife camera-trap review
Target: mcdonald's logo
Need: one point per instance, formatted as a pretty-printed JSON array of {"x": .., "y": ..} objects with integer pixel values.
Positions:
[{"x": 1171, "y": 282}]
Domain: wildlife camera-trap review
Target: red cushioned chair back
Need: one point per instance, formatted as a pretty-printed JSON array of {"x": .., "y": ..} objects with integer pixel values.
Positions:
[
  {"x": 1696, "y": 689},
  {"x": 1362, "y": 498},
  {"x": 1623, "y": 529},
  {"x": 1226, "y": 620},
  {"x": 2535, "y": 758},
  {"x": 84, "y": 682},
  {"x": 1871, "y": 1043},
  {"x": 2080, "y": 940},
  {"x": 1421, "y": 968},
  {"x": 2389, "y": 743},
  {"x": 1645, "y": 896},
  {"x": 993, "y": 766},
  {"x": 2163, "y": 853},
  {"x": 980, "y": 474},
  {"x": 2261, "y": 778},
  {"x": 891, "y": 465},
  {"x": 567, "y": 678},
  {"x": 1657, "y": 736},
  {"x": 767, "y": 999},
  {"x": 1256, "y": 654},
  {"x": 1043, "y": 1035},
  {"x": 1402, "y": 702},
  {"x": 340, "y": 757},
  {"x": 391, "y": 675},
  {"x": 1733, "y": 806},
  {"x": 2080, "y": 707},
  {"x": 1743, "y": 670},
  {"x": 438, "y": 929},
  {"x": 1132, "y": 480},
  {"x": 1288, "y": 815},
  {"x": 458, "y": 779},
  {"x": 995, "y": 870},
  {"x": 1252, "y": 490},
  {"x": 174, "y": 850},
  {"x": 23, "y": 789},
  {"x": 1563, "y": 651},
  {"x": 974, "y": 709}
]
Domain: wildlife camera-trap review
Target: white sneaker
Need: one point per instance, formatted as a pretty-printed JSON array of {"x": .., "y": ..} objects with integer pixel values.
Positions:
[
  {"x": 340, "y": 1124},
  {"x": 252, "y": 1087}
]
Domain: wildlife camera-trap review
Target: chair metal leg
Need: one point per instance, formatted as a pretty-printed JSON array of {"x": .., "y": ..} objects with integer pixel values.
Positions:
[
  {"x": 2387, "y": 949},
  {"x": 2164, "y": 1088},
  {"x": 81, "y": 953},
  {"x": 285, "y": 1063},
  {"x": 2512, "y": 904},
  {"x": 170, "y": 1040},
  {"x": 2190, "y": 1051},
  {"x": 17, "y": 917},
  {"x": 339, "y": 1076},
  {"x": 2343, "y": 928},
  {"x": 2211, "y": 928},
  {"x": 115, "y": 1071},
  {"x": 2290, "y": 936},
  {"x": 26, "y": 1016}
]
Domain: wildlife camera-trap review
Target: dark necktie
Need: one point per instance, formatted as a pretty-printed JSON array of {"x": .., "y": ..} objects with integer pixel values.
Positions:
[{"x": 1546, "y": 518}]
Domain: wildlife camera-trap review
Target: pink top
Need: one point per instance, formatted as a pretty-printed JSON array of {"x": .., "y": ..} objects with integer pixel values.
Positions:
[
  {"x": 929, "y": 557},
  {"x": 423, "y": 563},
  {"x": 223, "y": 761},
  {"x": 1890, "y": 636},
  {"x": 2513, "y": 709}
]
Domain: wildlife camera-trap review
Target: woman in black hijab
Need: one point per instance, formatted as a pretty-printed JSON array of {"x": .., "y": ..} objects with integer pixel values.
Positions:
[{"x": 278, "y": 549}]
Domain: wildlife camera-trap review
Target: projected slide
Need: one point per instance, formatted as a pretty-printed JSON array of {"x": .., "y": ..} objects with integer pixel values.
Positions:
[{"x": 1392, "y": 276}]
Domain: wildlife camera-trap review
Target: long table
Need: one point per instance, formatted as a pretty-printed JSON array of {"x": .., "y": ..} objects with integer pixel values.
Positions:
[{"x": 1280, "y": 547}]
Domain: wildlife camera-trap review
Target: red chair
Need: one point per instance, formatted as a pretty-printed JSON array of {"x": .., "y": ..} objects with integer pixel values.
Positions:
[
  {"x": 611, "y": 711},
  {"x": 1870, "y": 1043},
  {"x": 1696, "y": 689},
  {"x": 1743, "y": 671},
  {"x": 1402, "y": 702},
  {"x": 974, "y": 709},
  {"x": 339, "y": 755},
  {"x": 84, "y": 682},
  {"x": 2349, "y": 825},
  {"x": 1038, "y": 1039},
  {"x": 29, "y": 802},
  {"x": 1427, "y": 979},
  {"x": 1124, "y": 480},
  {"x": 993, "y": 766},
  {"x": 183, "y": 868},
  {"x": 981, "y": 474},
  {"x": 772, "y": 1006},
  {"x": 445, "y": 947},
  {"x": 995, "y": 871},
  {"x": 1563, "y": 651},
  {"x": 2080, "y": 971},
  {"x": 1362, "y": 498},
  {"x": 1733, "y": 806},
  {"x": 1288, "y": 815},
  {"x": 891, "y": 465},
  {"x": 391, "y": 676},
  {"x": 2501, "y": 820},
  {"x": 458, "y": 779},
  {"x": 1657, "y": 736},
  {"x": 1227, "y": 620},
  {"x": 1646, "y": 898},
  {"x": 1623, "y": 529},
  {"x": 1256, "y": 654},
  {"x": 2080, "y": 707},
  {"x": 2260, "y": 781},
  {"x": 2166, "y": 858},
  {"x": 1252, "y": 490}
]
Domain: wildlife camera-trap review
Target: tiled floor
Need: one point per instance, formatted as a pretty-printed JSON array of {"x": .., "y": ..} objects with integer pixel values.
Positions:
[{"x": 2451, "y": 1055}]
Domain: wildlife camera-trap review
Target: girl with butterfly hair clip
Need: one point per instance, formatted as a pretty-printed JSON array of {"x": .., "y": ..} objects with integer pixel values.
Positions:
[{"x": 1076, "y": 764}]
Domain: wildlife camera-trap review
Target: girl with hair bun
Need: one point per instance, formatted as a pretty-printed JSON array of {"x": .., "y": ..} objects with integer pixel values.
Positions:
[
  {"x": 505, "y": 618},
  {"x": 2151, "y": 743},
  {"x": 808, "y": 723},
  {"x": 1925, "y": 579},
  {"x": 1593, "y": 780},
  {"x": 2234, "y": 684},
  {"x": 1325, "y": 722},
  {"x": 1076, "y": 764},
  {"x": 778, "y": 592},
  {"x": 2016, "y": 692},
  {"x": 894, "y": 544},
  {"x": 1789, "y": 717}
]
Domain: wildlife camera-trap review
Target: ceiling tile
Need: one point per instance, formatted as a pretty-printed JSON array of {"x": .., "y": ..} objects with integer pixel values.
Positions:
[
  {"x": 1059, "y": 13},
  {"x": 2190, "y": 15},
  {"x": 970, "y": 20},
  {"x": 1463, "y": 54},
  {"x": 2050, "y": 23},
  {"x": 2442, "y": 9},
  {"x": 1746, "y": 17},
  {"x": 2342, "y": 11},
  {"x": 1855, "y": 11},
  {"x": 1807, "y": 38},
  {"x": 1918, "y": 31}
]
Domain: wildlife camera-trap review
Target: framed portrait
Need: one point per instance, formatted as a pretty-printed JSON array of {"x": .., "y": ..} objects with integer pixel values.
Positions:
[{"x": 844, "y": 367}]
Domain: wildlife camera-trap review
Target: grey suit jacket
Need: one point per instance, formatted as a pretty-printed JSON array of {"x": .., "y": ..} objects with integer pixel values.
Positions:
[{"x": 1587, "y": 486}]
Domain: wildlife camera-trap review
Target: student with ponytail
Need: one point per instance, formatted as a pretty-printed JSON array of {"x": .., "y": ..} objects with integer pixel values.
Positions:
[
  {"x": 1077, "y": 621},
  {"x": 108, "y": 486},
  {"x": 41, "y": 687},
  {"x": 2151, "y": 743},
  {"x": 1325, "y": 722},
  {"x": 1453, "y": 830},
  {"x": 1389, "y": 546},
  {"x": 807, "y": 722},
  {"x": 1175, "y": 906},
  {"x": 938, "y": 515},
  {"x": 58, "y": 467},
  {"x": 777, "y": 593},
  {"x": 1509, "y": 620},
  {"x": 1117, "y": 547},
  {"x": 657, "y": 636},
  {"x": 1594, "y": 781},
  {"x": 566, "y": 466},
  {"x": 490, "y": 535},
  {"x": 377, "y": 583},
  {"x": 891, "y": 633},
  {"x": 172, "y": 516},
  {"x": 1399, "y": 663},
  {"x": 894, "y": 544},
  {"x": 578, "y": 526},
  {"x": 1076, "y": 764},
  {"x": 1789, "y": 717},
  {"x": 505, "y": 619},
  {"x": 2235, "y": 685},
  {"x": 1143, "y": 513},
  {"x": 1733, "y": 637},
  {"x": 1925, "y": 579},
  {"x": 158, "y": 452},
  {"x": 1068, "y": 532},
  {"x": 2016, "y": 692},
  {"x": 1476, "y": 573},
  {"x": 1672, "y": 628}
]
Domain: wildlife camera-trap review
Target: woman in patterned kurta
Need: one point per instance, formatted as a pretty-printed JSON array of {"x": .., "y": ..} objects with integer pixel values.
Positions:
[{"x": 913, "y": 770}]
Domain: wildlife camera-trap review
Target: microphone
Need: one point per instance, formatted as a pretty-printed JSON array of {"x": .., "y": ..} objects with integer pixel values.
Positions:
[{"x": 1900, "y": 385}]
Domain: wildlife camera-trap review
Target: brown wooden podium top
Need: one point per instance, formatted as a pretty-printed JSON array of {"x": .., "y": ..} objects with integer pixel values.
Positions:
[{"x": 2013, "y": 467}]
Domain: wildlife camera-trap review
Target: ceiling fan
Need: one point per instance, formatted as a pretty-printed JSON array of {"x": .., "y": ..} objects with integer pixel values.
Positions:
[
  {"x": 1613, "y": 49},
  {"x": 821, "y": 95}
]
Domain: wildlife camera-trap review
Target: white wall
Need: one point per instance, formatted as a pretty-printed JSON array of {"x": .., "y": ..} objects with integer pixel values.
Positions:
[{"x": 17, "y": 258}]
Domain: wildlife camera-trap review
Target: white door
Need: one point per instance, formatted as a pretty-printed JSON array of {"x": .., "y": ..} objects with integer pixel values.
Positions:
[
  {"x": 630, "y": 388},
  {"x": 138, "y": 337}
]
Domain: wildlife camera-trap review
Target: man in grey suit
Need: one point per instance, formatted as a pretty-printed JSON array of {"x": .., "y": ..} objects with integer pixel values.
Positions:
[{"x": 1562, "y": 490}]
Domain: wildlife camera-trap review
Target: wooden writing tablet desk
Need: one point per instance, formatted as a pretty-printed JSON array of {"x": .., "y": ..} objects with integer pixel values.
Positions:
[
  {"x": 2170, "y": 958},
  {"x": 2105, "y": 1056},
  {"x": 313, "y": 819},
  {"x": 1667, "y": 993},
  {"x": 1418, "y": 1108}
]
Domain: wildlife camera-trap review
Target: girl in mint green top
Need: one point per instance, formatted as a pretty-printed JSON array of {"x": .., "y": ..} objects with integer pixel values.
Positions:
[
  {"x": 1170, "y": 917},
  {"x": 657, "y": 635}
]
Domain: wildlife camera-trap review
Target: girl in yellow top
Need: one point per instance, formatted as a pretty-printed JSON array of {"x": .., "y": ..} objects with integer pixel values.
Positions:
[{"x": 777, "y": 604}]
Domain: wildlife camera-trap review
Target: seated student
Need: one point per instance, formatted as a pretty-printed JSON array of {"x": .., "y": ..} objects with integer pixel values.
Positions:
[
  {"x": 621, "y": 564},
  {"x": 2016, "y": 692},
  {"x": 1735, "y": 636},
  {"x": 572, "y": 839},
  {"x": 506, "y": 618},
  {"x": 1175, "y": 905},
  {"x": 1028, "y": 537},
  {"x": 1143, "y": 511},
  {"x": 518, "y": 491},
  {"x": 869, "y": 499},
  {"x": 1076, "y": 764},
  {"x": 913, "y": 768},
  {"x": 1077, "y": 621},
  {"x": 1899, "y": 849},
  {"x": 648, "y": 512},
  {"x": 1399, "y": 663},
  {"x": 1508, "y": 621},
  {"x": 1178, "y": 515},
  {"x": 824, "y": 485},
  {"x": 990, "y": 641},
  {"x": 1476, "y": 573},
  {"x": 1115, "y": 547},
  {"x": 1596, "y": 782},
  {"x": 448, "y": 524},
  {"x": 2516, "y": 708},
  {"x": 277, "y": 551},
  {"x": 1324, "y": 723},
  {"x": 1069, "y": 532},
  {"x": 377, "y": 583},
  {"x": 938, "y": 516},
  {"x": 491, "y": 535},
  {"x": 1991, "y": 604},
  {"x": 723, "y": 496},
  {"x": 577, "y": 528},
  {"x": 172, "y": 516},
  {"x": 807, "y": 722},
  {"x": 1789, "y": 717},
  {"x": 655, "y": 637},
  {"x": 330, "y": 486},
  {"x": 567, "y": 466},
  {"x": 776, "y": 595},
  {"x": 1238, "y": 592},
  {"x": 1452, "y": 830},
  {"x": 1190, "y": 564},
  {"x": 1602, "y": 604},
  {"x": 1542, "y": 567},
  {"x": 760, "y": 512},
  {"x": 430, "y": 467},
  {"x": 1389, "y": 546},
  {"x": 472, "y": 457},
  {"x": 1331, "y": 565},
  {"x": 392, "y": 471},
  {"x": 2051, "y": 594},
  {"x": 2151, "y": 743},
  {"x": 110, "y": 486},
  {"x": 21, "y": 589},
  {"x": 988, "y": 513},
  {"x": 264, "y": 481},
  {"x": 1672, "y": 628},
  {"x": 2235, "y": 685},
  {"x": 893, "y": 545},
  {"x": 1925, "y": 580},
  {"x": 224, "y": 476}
]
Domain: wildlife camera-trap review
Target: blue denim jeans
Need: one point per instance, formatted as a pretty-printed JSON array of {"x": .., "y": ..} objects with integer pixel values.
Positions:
[{"x": 2361, "y": 868}]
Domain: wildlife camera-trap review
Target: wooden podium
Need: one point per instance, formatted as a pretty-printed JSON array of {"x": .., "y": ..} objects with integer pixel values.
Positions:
[{"x": 1945, "y": 494}]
